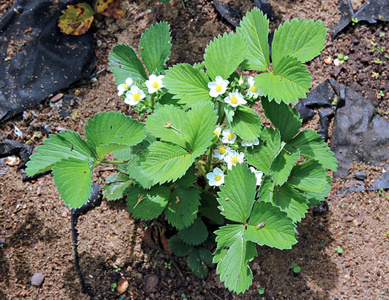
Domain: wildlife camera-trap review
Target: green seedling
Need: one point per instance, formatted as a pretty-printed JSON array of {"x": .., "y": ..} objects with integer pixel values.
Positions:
[
  {"x": 261, "y": 291},
  {"x": 382, "y": 34},
  {"x": 295, "y": 268},
  {"x": 354, "y": 21},
  {"x": 167, "y": 265},
  {"x": 378, "y": 61},
  {"x": 113, "y": 286},
  {"x": 339, "y": 250},
  {"x": 335, "y": 101},
  {"x": 381, "y": 94},
  {"x": 342, "y": 58}
]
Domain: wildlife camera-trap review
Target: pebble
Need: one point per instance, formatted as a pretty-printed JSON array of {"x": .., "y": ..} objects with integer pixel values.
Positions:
[
  {"x": 151, "y": 282},
  {"x": 122, "y": 286},
  {"x": 37, "y": 279},
  {"x": 56, "y": 98},
  {"x": 361, "y": 175}
]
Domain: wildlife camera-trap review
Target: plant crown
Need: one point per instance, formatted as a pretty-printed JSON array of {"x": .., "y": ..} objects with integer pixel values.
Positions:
[{"x": 203, "y": 158}]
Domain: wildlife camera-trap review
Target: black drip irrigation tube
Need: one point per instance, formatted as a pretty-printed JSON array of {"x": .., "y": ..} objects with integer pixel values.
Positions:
[{"x": 94, "y": 201}]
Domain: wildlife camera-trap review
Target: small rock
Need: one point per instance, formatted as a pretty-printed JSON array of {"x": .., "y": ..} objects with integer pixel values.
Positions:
[
  {"x": 321, "y": 208},
  {"x": 361, "y": 175},
  {"x": 99, "y": 43},
  {"x": 2, "y": 241},
  {"x": 355, "y": 222},
  {"x": 37, "y": 279},
  {"x": 328, "y": 60},
  {"x": 56, "y": 98},
  {"x": 122, "y": 286},
  {"x": 151, "y": 282}
]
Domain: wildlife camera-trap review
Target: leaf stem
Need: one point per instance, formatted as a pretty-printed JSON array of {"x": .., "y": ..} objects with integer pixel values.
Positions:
[
  {"x": 113, "y": 162},
  {"x": 209, "y": 160},
  {"x": 201, "y": 169}
]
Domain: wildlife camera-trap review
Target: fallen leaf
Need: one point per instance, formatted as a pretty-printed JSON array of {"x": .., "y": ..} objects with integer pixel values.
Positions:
[
  {"x": 109, "y": 8},
  {"x": 76, "y": 19}
]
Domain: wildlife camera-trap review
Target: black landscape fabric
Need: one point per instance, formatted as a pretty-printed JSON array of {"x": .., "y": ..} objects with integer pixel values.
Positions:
[{"x": 36, "y": 59}]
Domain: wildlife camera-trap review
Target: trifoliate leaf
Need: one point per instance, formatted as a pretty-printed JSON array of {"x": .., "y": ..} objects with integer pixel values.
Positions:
[
  {"x": 283, "y": 117},
  {"x": 268, "y": 225},
  {"x": 288, "y": 200},
  {"x": 167, "y": 123},
  {"x": 301, "y": 39},
  {"x": 183, "y": 207},
  {"x": 76, "y": 19},
  {"x": 154, "y": 46},
  {"x": 246, "y": 123},
  {"x": 188, "y": 179},
  {"x": 312, "y": 145},
  {"x": 208, "y": 208},
  {"x": 196, "y": 263},
  {"x": 188, "y": 84},
  {"x": 147, "y": 204},
  {"x": 288, "y": 82},
  {"x": 228, "y": 234},
  {"x": 124, "y": 63},
  {"x": 195, "y": 234},
  {"x": 109, "y": 8},
  {"x": 58, "y": 147},
  {"x": 199, "y": 127},
  {"x": 282, "y": 166},
  {"x": 237, "y": 195},
  {"x": 224, "y": 54},
  {"x": 178, "y": 247},
  {"x": 262, "y": 156},
  {"x": 73, "y": 178},
  {"x": 116, "y": 186},
  {"x": 308, "y": 176},
  {"x": 111, "y": 131},
  {"x": 254, "y": 27}
]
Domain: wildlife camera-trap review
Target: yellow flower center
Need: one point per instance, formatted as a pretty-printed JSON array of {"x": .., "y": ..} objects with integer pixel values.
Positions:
[
  {"x": 222, "y": 149},
  {"x": 217, "y": 132},
  {"x": 155, "y": 85},
  {"x": 219, "y": 88},
  {"x": 125, "y": 86},
  {"x": 234, "y": 100},
  {"x": 136, "y": 97},
  {"x": 218, "y": 177},
  {"x": 234, "y": 160},
  {"x": 230, "y": 136},
  {"x": 253, "y": 89}
]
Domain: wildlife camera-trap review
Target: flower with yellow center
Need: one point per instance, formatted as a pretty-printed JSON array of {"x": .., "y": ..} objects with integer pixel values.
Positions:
[
  {"x": 154, "y": 83},
  {"x": 217, "y": 131},
  {"x": 234, "y": 99},
  {"x": 221, "y": 152},
  {"x": 124, "y": 86},
  {"x": 258, "y": 175},
  {"x": 253, "y": 90},
  {"x": 232, "y": 158},
  {"x": 247, "y": 143},
  {"x": 216, "y": 177},
  {"x": 217, "y": 87},
  {"x": 229, "y": 136},
  {"x": 134, "y": 95}
]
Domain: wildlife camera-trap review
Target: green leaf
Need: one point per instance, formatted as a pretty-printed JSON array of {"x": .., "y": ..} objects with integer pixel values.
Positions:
[
  {"x": 196, "y": 263},
  {"x": 73, "y": 178},
  {"x": 254, "y": 27},
  {"x": 270, "y": 226},
  {"x": 195, "y": 234},
  {"x": 288, "y": 82},
  {"x": 147, "y": 204},
  {"x": 312, "y": 145},
  {"x": 309, "y": 176},
  {"x": 188, "y": 84},
  {"x": 262, "y": 156},
  {"x": 116, "y": 186},
  {"x": 232, "y": 264},
  {"x": 188, "y": 179},
  {"x": 111, "y": 131},
  {"x": 124, "y": 63},
  {"x": 246, "y": 123},
  {"x": 57, "y": 147},
  {"x": 199, "y": 127},
  {"x": 154, "y": 47},
  {"x": 167, "y": 123},
  {"x": 266, "y": 189},
  {"x": 314, "y": 198},
  {"x": 301, "y": 39},
  {"x": 208, "y": 208},
  {"x": 290, "y": 201},
  {"x": 283, "y": 117},
  {"x": 178, "y": 247},
  {"x": 282, "y": 166},
  {"x": 183, "y": 207},
  {"x": 224, "y": 54},
  {"x": 237, "y": 195}
]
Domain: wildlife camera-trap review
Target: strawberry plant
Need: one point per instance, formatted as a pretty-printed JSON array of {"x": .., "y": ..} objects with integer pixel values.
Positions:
[{"x": 203, "y": 157}]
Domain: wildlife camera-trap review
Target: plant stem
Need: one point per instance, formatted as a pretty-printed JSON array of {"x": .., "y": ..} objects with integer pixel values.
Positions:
[
  {"x": 201, "y": 169},
  {"x": 113, "y": 162},
  {"x": 219, "y": 112},
  {"x": 209, "y": 160}
]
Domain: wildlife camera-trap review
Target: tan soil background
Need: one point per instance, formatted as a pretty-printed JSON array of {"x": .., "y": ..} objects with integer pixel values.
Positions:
[{"x": 35, "y": 224}]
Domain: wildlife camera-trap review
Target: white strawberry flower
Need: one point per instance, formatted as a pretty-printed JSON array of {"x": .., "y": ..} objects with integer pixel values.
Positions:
[
  {"x": 229, "y": 136},
  {"x": 154, "y": 83},
  {"x": 217, "y": 87},
  {"x": 253, "y": 90},
  {"x": 218, "y": 131},
  {"x": 258, "y": 175},
  {"x": 216, "y": 177},
  {"x": 232, "y": 158},
  {"x": 124, "y": 86},
  {"x": 221, "y": 152},
  {"x": 134, "y": 95},
  {"x": 234, "y": 99},
  {"x": 247, "y": 143}
]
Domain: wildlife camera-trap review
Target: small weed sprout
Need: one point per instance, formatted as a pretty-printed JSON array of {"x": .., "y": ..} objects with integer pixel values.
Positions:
[
  {"x": 339, "y": 250},
  {"x": 354, "y": 21},
  {"x": 261, "y": 290},
  {"x": 295, "y": 268}
]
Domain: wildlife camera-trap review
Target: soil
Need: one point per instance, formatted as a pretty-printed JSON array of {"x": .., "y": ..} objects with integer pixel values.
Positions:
[{"x": 35, "y": 234}]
